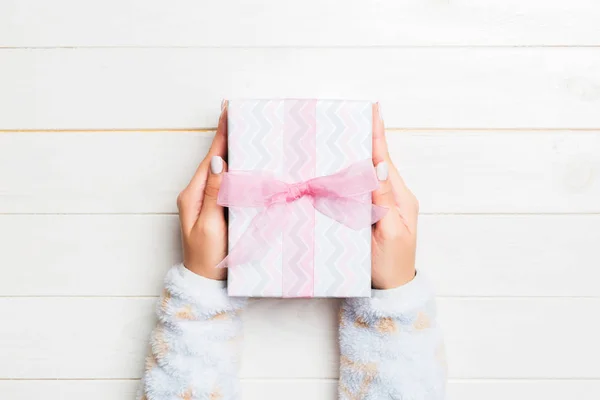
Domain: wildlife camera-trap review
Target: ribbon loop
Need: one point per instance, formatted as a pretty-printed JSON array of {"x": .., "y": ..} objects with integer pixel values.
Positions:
[{"x": 344, "y": 196}]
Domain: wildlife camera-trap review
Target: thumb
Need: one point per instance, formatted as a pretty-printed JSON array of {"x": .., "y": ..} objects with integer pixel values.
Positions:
[
  {"x": 213, "y": 183},
  {"x": 384, "y": 194}
]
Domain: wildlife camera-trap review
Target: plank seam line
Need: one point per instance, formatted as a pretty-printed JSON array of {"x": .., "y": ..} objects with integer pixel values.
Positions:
[
  {"x": 442, "y": 297},
  {"x": 465, "y": 214},
  {"x": 389, "y": 129},
  {"x": 310, "y": 47},
  {"x": 302, "y": 379}
]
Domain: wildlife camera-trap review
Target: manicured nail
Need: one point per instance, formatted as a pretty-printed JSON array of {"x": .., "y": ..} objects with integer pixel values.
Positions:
[
  {"x": 380, "y": 111},
  {"x": 382, "y": 171},
  {"x": 223, "y": 104},
  {"x": 216, "y": 165}
]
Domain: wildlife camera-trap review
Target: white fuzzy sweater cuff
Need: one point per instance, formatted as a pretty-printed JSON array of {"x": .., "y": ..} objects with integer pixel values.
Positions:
[
  {"x": 391, "y": 346},
  {"x": 194, "y": 349}
]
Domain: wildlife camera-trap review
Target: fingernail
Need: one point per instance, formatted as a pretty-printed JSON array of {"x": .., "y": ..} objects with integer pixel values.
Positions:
[
  {"x": 223, "y": 103},
  {"x": 380, "y": 111},
  {"x": 216, "y": 165},
  {"x": 382, "y": 171}
]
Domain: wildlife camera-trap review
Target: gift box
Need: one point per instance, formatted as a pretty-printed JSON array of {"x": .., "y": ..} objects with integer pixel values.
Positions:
[{"x": 298, "y": 193}]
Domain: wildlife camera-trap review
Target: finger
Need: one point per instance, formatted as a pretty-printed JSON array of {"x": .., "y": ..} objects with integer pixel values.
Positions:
[
  {"x": 380, "y": 147},
  {"x": 210, "y": 208},
  {"x": 381, "y": 154},
  {"x": 401, "y": 190},
  {"x": 217, "y": 148},
  {"x": 406, "y": 202},
  {"x": 190, "y": 199},
  {"x": 384, "y": 194},
  {"x": 395, "y": 195},
  {"x": 392, "y": 191},
  {"x": 219, "y": 144}
]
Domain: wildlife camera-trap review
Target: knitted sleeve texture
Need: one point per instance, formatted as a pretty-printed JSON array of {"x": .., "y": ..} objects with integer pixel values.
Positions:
[
  {"x": 195, "y": 347},
  {"x": 391, "y": 346}
]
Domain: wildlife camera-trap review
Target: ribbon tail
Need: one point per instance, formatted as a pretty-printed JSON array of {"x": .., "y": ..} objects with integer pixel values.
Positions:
[
  {"x": 257, "y": 238},
  {"x": 354, "y": 212},
  {"x": 378, "y": 212}
]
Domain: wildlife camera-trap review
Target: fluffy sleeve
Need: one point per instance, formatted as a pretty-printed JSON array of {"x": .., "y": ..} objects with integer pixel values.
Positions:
[
  {"x": 391, "y": 346},
  {"x": 194, "y": 348}
]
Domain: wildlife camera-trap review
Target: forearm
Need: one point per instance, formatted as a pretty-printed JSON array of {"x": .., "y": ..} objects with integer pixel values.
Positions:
[
  {"x": 391, "y": 346},
  {"x": 194, "y": 348}
]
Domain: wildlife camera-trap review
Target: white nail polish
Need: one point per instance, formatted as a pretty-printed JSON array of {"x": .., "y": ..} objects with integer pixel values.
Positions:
[
  {"x": 216, "y": 165},
  {"x": 223, "y": 102},
  {"x": 382, "y": 171},
  {"x": 380, "y": 111}
]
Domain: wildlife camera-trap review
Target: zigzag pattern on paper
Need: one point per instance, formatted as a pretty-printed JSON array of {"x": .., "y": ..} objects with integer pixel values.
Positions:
[
  {"x": 343, "y": 262},
  {"x": 299, "y": 149},
  {"x": 298, "y": 140},
  {"x": 255, "y": 129}
]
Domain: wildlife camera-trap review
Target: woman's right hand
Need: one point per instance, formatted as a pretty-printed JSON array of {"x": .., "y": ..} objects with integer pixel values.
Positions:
[
  {"x": 394, "y": 239},
  {"x": 203, "y": 225}
]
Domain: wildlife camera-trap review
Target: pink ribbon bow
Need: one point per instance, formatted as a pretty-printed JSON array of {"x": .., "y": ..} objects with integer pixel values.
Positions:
[{"x": 344, "y": 196}]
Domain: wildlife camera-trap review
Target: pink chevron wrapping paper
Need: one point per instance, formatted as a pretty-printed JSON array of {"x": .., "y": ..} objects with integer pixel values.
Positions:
[{"x": 314, "y": 256}]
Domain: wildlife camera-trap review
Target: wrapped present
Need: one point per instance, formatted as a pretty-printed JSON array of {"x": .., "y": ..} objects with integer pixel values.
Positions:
[{"x": 299, "y": 197}]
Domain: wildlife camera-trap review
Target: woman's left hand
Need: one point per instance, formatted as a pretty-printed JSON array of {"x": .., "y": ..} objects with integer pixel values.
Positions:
[{"x": 203, "y": 225}]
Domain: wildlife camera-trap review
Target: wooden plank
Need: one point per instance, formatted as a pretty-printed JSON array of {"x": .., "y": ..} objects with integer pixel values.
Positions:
[
  {"x": 182, "y": 87},
  {"x": 523, "y": 389},
  {"x": 450, "y": 172},
  {"x": 254, "y": 389},
  {"x": 69, "y": 389},
  {"x": 520, "y": 172},
  {"x": 97, "y": 172},
  {"x": 87, "y": 255},
  {"x": 289, "y": 389},
  {"x": 34, "y": 23},
  {"x": 105, "y": 338},
  {"x": 502, "y": 255},
  {"x": 127, "y": 255}
]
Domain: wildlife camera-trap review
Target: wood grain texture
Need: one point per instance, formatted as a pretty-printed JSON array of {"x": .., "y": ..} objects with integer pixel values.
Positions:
[
  {"x": 498, "y": 101},
  {"x": 98, "y": 172},
  {"x": 464, "y": 255},
  {"x": 87, "y": 255},
  {"x": 255, "y": 389},
  {"x": 532, "y": 389},
  {"x": 486, "y": 338},
  {"x": 34, "y": 23},
  {"x": 535, "y": 255},
  {"x": 182, "y": 87},
  {"x": 450, "y": 172}
]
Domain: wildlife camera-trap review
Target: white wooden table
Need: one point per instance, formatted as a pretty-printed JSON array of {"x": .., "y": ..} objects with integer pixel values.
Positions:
[{"x": 493, "y": 107}]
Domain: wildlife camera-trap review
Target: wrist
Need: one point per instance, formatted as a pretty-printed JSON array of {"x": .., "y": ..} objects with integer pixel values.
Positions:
[
  {"x": 394, "y": 281},
  {"x": 198, "y": 281},
  {"x": 216, "y": 274}
]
